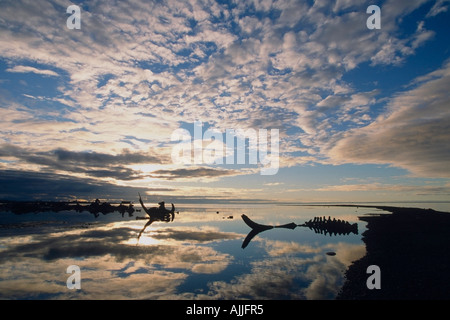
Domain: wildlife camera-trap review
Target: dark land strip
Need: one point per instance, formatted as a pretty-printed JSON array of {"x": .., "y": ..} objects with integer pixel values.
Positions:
[{"x": 411, "y": 246}]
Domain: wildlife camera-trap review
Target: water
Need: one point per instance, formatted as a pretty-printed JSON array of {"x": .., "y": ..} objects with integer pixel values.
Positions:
[{"x": 198, "y": 255}]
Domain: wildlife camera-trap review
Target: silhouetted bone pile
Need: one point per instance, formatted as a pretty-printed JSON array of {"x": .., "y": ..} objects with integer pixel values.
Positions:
[
  {"x": 331, "y": 226},
  {"x": 318, "y": 225}
]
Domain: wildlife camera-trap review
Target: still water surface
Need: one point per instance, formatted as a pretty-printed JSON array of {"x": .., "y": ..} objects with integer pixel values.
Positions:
[{"x": 198, "y": 255}]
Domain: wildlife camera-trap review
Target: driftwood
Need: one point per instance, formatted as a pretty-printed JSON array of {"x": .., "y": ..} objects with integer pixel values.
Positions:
[{"x": 155, "y": 214}]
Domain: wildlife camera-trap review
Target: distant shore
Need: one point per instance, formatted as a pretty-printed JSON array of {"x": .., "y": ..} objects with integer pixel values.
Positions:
[
  {"x": 411, "y": 246},
  {"x": 95, "y": 207}
]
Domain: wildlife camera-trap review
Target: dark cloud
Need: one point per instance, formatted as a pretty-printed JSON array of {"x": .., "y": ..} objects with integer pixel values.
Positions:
[
  {"x": 23, "y": 185},
  {"x": 26, "y": 185},
  {"x": 120, "y": 173},
  {"x": 101, "y": 159},
  {"x": 202, "y": 172},
  {"x": 93, "y": 164}
]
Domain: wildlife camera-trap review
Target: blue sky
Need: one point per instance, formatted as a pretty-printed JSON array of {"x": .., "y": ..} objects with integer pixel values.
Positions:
[{"x": 363, "y": 115}]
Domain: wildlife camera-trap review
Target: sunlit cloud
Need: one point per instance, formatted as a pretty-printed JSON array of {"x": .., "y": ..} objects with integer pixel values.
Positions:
[
  {"x": 416, "y": 128},
  {"x": 24, "y": 69}
]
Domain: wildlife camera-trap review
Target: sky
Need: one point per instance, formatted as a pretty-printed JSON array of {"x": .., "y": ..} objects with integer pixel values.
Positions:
[{"x": 349, "y": 113}]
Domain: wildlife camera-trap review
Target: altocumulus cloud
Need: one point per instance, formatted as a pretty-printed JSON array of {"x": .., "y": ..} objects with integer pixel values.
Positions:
[{"x": 138, "y": 70}]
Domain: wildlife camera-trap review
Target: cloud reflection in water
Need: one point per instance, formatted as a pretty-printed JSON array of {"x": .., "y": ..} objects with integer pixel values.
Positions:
[
  {"x": 35, "y": 268},
  {"x": 187, "y": 260},
  {"x": 285, "y": 275}
]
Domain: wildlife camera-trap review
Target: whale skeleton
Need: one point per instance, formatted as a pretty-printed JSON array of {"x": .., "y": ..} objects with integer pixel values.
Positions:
[{"x": 318, "y": 225}]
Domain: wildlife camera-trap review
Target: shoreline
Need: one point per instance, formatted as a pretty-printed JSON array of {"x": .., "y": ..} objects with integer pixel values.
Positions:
[
  {"x": 411, "y": 246},
  {"x": 382, "y": 207}
]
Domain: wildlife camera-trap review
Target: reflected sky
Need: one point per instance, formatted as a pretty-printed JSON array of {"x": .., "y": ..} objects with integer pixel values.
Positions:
[{"x": 197, "y": 256}]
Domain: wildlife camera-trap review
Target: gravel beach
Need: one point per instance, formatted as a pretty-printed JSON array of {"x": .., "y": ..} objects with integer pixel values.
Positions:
[{"x": 411, "y": 247}]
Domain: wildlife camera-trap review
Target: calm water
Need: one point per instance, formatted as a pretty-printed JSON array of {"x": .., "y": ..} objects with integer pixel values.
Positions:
[{"x": 198, "y": 255}]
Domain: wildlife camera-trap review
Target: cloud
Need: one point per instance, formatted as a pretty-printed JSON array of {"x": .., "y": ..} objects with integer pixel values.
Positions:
[
  {"x": 200, "y": 235},
  {"x": 289, "y": 277},
  {"x": 97, "y": 242},
  {"x": 136, "y": 71},
  {"x": 411, "y": 135},
  {"x": 273, "y": 184},
  {"x": 91, "y": 164},
  {"x": 195, "y": 172},
  {"x": 439, "y": 7},
  {"x": 23, "y": 185},
  {"x": 25, "y": 69},
  {"x": 389, "y": 188},
  {"x": 101, "y": 159},
  {"x": 31, "y": 185},
  {"x": 107, "y": 260}
]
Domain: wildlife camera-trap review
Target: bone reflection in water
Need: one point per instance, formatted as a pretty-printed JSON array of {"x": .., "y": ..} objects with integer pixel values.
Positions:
[{"x": 318, "y": 225}]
